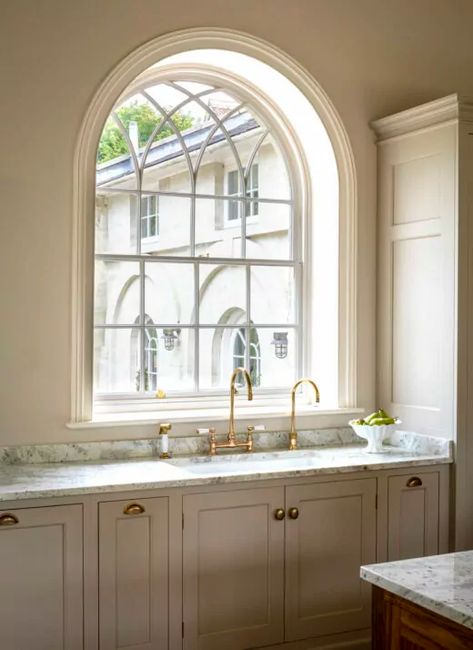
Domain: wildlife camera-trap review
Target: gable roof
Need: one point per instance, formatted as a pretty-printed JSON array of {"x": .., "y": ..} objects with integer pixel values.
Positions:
[{"x": 170, "y": 148}]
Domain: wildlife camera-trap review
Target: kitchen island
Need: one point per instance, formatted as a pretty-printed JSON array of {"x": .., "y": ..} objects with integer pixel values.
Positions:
[{"x": 423, "y": 603}]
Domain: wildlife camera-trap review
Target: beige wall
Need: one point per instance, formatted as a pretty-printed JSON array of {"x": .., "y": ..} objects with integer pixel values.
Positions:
[{"x": 373, "y": 57}]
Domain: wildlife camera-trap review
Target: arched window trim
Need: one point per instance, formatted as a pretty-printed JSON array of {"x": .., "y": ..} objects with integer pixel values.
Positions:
[{"x": 84, "y": 197}]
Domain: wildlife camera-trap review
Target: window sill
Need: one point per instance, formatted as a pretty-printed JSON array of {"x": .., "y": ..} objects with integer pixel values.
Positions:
[{"x": 272, "y": 417}]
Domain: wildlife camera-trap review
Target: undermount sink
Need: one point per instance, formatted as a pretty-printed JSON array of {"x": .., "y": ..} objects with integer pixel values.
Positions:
[{"x": 245, "y": 463}]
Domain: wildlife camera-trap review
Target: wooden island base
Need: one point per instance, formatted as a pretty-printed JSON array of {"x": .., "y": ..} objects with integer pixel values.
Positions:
[{"x": 401, "y": 625}]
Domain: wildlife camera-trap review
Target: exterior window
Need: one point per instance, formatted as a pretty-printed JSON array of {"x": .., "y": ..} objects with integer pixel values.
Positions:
[
  {"x": 239, "y": 353},
  {"x": 208, "y": 298},
  {"x": 151, "y": 359},
  {"x": 250, "y": 207},
  {"x": 149, "y": 217}
]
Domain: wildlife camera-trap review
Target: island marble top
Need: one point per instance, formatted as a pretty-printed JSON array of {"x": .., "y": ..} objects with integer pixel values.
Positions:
[
  {"x": 26, "y": 481},
  {"x": 441, "y": 583}
]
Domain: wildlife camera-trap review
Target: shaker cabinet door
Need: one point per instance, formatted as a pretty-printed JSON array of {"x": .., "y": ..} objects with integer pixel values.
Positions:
[
  {"x": 413, "y": 515},
  {"x": 133, "y": 574},
  {"x": 41, "y": 578},
  {"x": 330, "y": 533},
  {"x": 233, "y": 569}
]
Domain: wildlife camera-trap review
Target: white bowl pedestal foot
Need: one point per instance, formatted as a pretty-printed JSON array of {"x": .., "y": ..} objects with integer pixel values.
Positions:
[{"x": 374, "y": 434}]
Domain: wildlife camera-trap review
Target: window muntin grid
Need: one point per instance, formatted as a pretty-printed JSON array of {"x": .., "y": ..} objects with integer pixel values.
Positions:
[{"x": 248, "y": 198}]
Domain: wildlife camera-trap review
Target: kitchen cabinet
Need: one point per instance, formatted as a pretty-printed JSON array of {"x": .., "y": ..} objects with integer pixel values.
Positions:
[
  {"x": 332, "y": 534},
  {"x": 425, "y": 275},
  {"x": 236, "y": 552},
  {"x": 133, "y": 574},
  {"x": 399, "y": 624},
  {"x": 233, "y": 550},
  {"x": 41, "y": 570},
  {"x": 413, "y": 515}
]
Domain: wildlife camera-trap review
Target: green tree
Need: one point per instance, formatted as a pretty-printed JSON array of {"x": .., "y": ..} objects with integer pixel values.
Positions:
[{"x": 113, "y": 144}]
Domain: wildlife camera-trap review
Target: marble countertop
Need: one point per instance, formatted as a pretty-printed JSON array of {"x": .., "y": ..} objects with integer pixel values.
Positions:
[
  {"x": 441, "y": 583},
  {"x": 26, "y": 481}
]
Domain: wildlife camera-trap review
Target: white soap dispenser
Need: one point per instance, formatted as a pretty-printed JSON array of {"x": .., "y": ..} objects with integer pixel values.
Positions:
[{"x": 164, "y": 430}]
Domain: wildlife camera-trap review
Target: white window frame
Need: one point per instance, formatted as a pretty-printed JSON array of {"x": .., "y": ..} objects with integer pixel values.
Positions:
[
  {"x": 83, "y": 209},
  {"x": 244, "y": 197}
]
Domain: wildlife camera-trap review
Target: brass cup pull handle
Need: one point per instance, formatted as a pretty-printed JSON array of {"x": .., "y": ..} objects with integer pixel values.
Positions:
[
  {"x": 279, "y": 514},
  {"x": 8, "y": 520},
  {"x": 293, "y": 513},
  {"x": 133, "y": 509},
  {"x": 415, "y": 481}
]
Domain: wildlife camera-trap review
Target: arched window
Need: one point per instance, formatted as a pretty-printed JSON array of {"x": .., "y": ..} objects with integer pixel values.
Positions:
[
  {"x": 226, "y": 230},
  {"x": 224, "y": 178},
  {"x": 239, "y": 353}
]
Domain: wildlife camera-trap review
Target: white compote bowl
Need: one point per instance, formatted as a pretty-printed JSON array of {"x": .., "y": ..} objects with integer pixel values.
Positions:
[{"x": 375, "y": 434}]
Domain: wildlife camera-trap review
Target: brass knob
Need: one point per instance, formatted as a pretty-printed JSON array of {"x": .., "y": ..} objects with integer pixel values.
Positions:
[
  {"x": 164, "y": 428},
  {"x": 415, "y": 481},
  {"x": 293, "y": 513},
  {"x": 279, "y": 514},
  {"x": 133, "y": 509},
  {"x": 8, "y": 520}
]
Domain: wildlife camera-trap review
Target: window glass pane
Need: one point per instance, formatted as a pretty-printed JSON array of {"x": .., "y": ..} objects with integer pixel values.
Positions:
[
  {"x": 166, "y": 166},
  {"x": 233, "y": 182},
  {"x": 246, "y": 131},
  {"x": 174, "y": 360},
  {"x": 116, "y": 360},
  {"x": 117, "y": 292},
  {"x": 277, "y": 372},
  {"x": 116, "y": 220},
  {"x": 272, "y": 294},
  {"x": 115, "y": 164},
  {"x": 169, "y": 292},
  {"x": 174, "y": 226},
  {"x": 269, "y": 235},
  {"x": 216, "y": 357},
  {"x": 222, "y": 290},
  {"x": 215, "y": 236},
  {"x": 272, "y": 177}
]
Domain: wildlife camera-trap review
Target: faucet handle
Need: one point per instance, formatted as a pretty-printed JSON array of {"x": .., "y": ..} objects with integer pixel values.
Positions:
[
  {"x": 164, "y": 428},
  {"x": 212, "y": 441}
]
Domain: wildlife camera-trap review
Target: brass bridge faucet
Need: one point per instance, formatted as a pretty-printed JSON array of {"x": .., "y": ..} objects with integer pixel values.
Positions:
[
  {"x": 232, "y": 442},
  {"x": 293, "y": 432}
]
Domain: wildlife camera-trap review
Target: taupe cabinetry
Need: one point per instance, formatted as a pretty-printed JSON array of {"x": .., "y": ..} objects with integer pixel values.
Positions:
[
  {"x": 41, "y": 578},
  {"x": 133, "y": 574},
  {"x": 233, "y": 569},
  {"x": 333, "y": 534},
  {"x": 236, "y": 550},
  {"x": 413, "y": 515}
]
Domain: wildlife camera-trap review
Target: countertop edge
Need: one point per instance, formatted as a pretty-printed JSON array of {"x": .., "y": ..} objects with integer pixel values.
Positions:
[
  {"x": 194, "y": 481},
  {"x": 435, "y": 606}
]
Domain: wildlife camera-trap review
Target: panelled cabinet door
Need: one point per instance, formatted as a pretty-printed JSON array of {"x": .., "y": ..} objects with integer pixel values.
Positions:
[
  {"x": 41, "y": 590},
  {"x": 133, "y": 574},
  {"x": 332, "y": 533},
  {"x": 413, "y": 515},
  {"x": 233, "y": 569}
]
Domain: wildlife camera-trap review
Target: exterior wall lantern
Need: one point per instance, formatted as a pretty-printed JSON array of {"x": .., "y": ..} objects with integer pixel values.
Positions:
[
  {"x": 170, "y": 337},
  {"x": 280, "y": 344}
]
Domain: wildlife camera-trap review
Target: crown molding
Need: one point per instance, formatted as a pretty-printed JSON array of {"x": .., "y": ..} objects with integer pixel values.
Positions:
[{"x": 451, "y": 107}]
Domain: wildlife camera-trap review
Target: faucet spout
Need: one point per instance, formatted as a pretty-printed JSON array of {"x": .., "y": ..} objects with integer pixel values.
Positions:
[
  {"x": 232, "y": 442},
  {"x": 233, "y": 391},
  {"x": 293, "y": 432}
]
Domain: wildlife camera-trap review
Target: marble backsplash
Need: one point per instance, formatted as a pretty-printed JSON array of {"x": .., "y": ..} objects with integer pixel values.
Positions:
[{"x": 191, "y": 445}]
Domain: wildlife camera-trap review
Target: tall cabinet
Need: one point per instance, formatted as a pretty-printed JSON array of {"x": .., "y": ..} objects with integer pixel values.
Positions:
[{"x": 425, "y": 279}]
